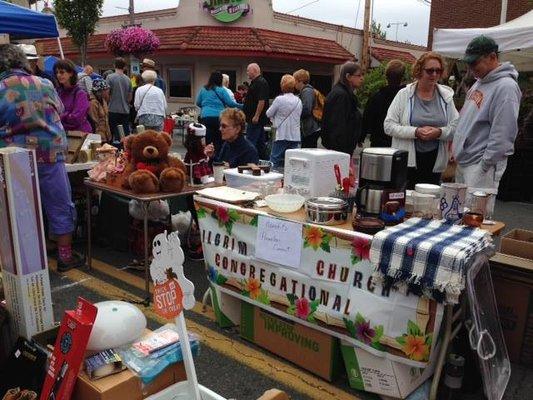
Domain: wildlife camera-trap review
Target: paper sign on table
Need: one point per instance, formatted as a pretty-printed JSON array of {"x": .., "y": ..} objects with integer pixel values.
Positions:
[{"x": 279, "y": 241}]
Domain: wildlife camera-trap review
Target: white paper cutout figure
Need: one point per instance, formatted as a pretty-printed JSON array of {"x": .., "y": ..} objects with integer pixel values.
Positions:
[{"x": 168, "y": 263}]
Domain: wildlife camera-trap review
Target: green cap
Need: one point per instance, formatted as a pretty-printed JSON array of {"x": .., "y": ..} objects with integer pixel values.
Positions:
[{"x": 478, "y": 47}]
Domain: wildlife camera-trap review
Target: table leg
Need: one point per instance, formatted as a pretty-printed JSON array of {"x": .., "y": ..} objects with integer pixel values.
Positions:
[
  {"x": 441, "y": 359},
  {"x": 88, "y": 192},
  {"x": 145, "y": 205}
]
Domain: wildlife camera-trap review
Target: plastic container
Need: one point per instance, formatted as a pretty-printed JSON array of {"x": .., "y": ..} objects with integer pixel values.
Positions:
[
  {"x": 235, "y": 179},
  {"x": 182, "y": 391},
  {"x": 285, "y": 202},
  {"x": 423, "y": 205}
]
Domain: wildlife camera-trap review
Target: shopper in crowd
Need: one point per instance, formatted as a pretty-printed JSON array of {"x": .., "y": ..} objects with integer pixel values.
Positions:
[
  {"x": 341, "y": 120},
  {"x": 422, "y": 120},
  {"x": 285, "y": 113},
  {"x": 76, "y": 102},
  {"x": 488, "y": 126},
  {"x": 85, "y": 81},
  {"x": 240, "y": 94},
  {"x": 121, "y": 94},
  {"x": 149, "y": 65},
  {"x": 255, "y": 106},
  {"x": 212, "y": 99},
  {"x": 150, "y": 103},
  {"x": 310, "y": 125},
  {"x": 378, "y": 105},
  {"x": 30, "y": 112},
  {"x": 99, "y": 111},
  {"x": 225, "y": 85},
  {"x": 136, "y": 83},
  {"x": 236, "y": 150},
  {"x": 33, "y": 63}
]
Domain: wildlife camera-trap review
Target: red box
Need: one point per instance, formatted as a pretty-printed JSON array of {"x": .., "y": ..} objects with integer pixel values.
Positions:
[{"x": 69, "y": 351}]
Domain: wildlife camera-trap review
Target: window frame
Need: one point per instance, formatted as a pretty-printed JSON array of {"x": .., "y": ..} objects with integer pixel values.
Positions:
[{"x": 174, "y": 99}]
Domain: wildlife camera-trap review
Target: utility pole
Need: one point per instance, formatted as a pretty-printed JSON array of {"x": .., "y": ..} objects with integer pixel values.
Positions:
[
  {"x": 503, "y": 12},
  {"x": 365, "y": 57},
  {"x": 131, "y": 10}
]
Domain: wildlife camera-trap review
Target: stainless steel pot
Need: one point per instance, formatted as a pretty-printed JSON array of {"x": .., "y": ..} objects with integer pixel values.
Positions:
[{"x": 326, "y": 210}]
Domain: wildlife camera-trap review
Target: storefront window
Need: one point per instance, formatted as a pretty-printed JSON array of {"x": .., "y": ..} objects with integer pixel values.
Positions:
[{"x": 180, "y": 82}]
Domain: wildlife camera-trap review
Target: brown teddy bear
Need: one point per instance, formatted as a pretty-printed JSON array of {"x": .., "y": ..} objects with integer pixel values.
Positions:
[{"x": 150, "y": 168}]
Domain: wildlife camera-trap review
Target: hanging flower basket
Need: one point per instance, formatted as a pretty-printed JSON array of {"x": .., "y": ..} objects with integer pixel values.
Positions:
[{"x": 132, "y": 40}]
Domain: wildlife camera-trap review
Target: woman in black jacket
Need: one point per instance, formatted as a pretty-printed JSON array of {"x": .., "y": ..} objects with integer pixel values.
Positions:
[{"x": 341, "y": 121}]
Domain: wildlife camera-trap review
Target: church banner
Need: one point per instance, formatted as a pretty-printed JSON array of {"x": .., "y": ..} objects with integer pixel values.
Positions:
[{"x": 330, "y": 290}]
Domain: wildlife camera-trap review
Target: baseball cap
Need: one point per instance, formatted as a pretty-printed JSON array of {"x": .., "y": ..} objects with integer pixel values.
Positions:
[
  {"x": 29, "y": 50},
  {"x": 478, "y": 47},
  {"x": 148, "y": 63}
]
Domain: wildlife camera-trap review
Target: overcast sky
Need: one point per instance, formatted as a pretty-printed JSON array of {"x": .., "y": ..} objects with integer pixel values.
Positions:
[{"x": 343, "y": 12}]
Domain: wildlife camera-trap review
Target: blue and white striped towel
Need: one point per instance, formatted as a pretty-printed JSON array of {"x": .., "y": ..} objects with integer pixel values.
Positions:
[{"x": 428, "y": 253}]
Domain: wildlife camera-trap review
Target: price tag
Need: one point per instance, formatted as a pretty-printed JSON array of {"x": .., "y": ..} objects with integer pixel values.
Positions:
[{"x": 279, "y": 241}]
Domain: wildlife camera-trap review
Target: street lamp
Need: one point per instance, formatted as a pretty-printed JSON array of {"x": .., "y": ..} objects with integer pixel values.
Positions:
[{"x": 398, "y": 24}]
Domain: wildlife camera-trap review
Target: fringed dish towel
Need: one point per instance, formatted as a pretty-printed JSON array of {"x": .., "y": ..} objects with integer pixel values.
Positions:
[{"x": 428, "y": 255}]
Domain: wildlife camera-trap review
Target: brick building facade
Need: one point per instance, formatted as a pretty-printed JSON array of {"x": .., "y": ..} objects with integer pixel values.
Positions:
[{"x": 472, "y": 13}]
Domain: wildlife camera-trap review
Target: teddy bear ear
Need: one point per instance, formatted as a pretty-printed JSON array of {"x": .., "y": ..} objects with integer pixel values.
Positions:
[
  {"x": 128, "y": 141},
  {"x": 167, "y": 138}
]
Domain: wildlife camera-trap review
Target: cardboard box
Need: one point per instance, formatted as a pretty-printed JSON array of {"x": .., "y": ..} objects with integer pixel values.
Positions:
[
  {"x": 308, "y": 348},
  {"x": 382, "y": 376},
  {"x": 513, "y": 285},
  {"x": 22, "y": 247},
  {"x": 126, "y": 385},
  {"x": 519, "y": 243}
]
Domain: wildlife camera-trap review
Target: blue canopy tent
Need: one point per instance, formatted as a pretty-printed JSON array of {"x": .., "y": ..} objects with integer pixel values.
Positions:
[
  {"x": 50, "y": 61},
  {"x": 23, "y": 23}
]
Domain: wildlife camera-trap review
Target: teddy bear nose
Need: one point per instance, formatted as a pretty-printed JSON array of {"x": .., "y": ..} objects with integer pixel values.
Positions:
[{"x": 150, "y": 152}]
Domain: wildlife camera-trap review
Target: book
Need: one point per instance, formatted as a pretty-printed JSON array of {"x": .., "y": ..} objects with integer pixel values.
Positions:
[
  {"x": 102, "y": 364},
  {"x": 156, "y": 341}
]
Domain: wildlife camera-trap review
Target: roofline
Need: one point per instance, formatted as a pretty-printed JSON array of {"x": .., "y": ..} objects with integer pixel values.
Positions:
[{"x": 399, "y": 44}]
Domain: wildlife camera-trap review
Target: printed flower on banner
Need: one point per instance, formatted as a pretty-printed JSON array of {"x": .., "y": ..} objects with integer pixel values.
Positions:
[
  {"x": 362, "y": 331},
  {"x": 215, "y": 277},
  {"x": 360, "y": 249},
  {"x": 263, "y": 297},
  {"x": 302, "y": 308},
  {"x": 251, "y": 288},
  {"x": 226, "y": 218},
  {"x": 315, "y": 238},
  {"x": 254, "y": 220},
  {"x": 414, "y": 343},
  {"x": 201, "y": 212}
]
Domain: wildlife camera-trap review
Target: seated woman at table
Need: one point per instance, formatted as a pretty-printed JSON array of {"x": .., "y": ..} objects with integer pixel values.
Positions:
[{"x": 236, "y": 149}]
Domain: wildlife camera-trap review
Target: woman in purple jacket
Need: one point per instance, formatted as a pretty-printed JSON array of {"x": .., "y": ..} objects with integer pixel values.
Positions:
[{"x": 75, "y": 99}]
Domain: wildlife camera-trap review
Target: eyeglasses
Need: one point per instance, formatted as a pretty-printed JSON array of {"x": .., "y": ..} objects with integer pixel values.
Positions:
[{"x": 431, "y": 71}]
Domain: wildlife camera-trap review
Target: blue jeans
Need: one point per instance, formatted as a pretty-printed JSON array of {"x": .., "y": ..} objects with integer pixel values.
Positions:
[
  {"x": 255, "y": 133},
  {"x": 277, "y": 157}
]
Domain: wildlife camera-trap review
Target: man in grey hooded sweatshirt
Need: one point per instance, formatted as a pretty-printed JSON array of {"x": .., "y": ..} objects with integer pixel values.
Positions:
[{"x": 487, "y": 127}]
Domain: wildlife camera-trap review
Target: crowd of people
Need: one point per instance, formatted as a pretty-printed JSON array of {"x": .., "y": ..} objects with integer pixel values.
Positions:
[{"x": 37, "y": 109}]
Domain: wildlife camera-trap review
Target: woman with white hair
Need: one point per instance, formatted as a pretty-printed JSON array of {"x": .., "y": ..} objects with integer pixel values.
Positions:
[
  {"x": 225, "y": 85},
  {"x": 150, "y": 103}
]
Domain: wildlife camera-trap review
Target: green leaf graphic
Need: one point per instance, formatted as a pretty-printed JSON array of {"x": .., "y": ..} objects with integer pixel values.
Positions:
[{"x": 201, "y": 212}]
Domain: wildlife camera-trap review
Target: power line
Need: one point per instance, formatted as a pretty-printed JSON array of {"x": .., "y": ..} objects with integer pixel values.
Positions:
[{"x": 305, "y": 5}]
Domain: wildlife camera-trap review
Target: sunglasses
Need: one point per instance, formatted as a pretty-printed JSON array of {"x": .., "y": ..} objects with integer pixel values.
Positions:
[{"x": 431, "y": 71}]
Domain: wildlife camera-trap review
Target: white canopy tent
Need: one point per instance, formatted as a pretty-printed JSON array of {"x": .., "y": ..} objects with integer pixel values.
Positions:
[{"x": 514, "y": 38}]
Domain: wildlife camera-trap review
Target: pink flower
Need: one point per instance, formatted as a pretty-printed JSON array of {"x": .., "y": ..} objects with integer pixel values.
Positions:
[
  {"x": 361, "y": 248},
  {"x": 223, "y": 215},
  {"x": 303, "y": 308}
]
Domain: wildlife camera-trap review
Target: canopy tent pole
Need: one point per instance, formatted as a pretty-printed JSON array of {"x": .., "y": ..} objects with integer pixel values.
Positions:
[{"x": 60, "y": 48}]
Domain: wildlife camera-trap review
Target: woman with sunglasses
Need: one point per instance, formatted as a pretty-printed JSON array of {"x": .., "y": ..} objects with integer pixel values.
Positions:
[
  {"x": 422, "y": 120},
  {"x": 236, "y": 149}
]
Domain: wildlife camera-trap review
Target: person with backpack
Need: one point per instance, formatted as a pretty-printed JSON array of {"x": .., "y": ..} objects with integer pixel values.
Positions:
[
  {"x": 312, "y": 109},
  {"x": 342, "y": 120}
]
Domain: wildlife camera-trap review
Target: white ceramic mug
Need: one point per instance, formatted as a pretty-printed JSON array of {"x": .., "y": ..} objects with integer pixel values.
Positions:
[{"x": 452, "y": 201}]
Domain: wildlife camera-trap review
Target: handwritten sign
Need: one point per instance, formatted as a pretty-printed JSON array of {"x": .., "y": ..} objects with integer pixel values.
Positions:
[{"x": 279, "y": 241}]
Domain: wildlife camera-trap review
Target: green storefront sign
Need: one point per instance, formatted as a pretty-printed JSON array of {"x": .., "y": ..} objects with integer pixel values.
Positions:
[{"x": 227, "y": 10}]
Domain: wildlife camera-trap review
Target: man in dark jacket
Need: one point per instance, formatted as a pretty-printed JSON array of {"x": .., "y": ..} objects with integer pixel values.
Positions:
[
  {"x": 341, "y": 121},
  {"x": 310, "y": 127},
  {"x": 378, "y": 105}
]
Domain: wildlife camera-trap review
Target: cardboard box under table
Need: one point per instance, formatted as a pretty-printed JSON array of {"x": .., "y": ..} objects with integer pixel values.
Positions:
[
  {"x": 513, "y": 285},
  {"x": 519, "y": 243}
]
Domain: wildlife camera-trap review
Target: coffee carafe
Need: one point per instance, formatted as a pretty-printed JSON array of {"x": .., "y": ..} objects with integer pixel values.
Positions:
[{"x": 382, "y": 183}]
